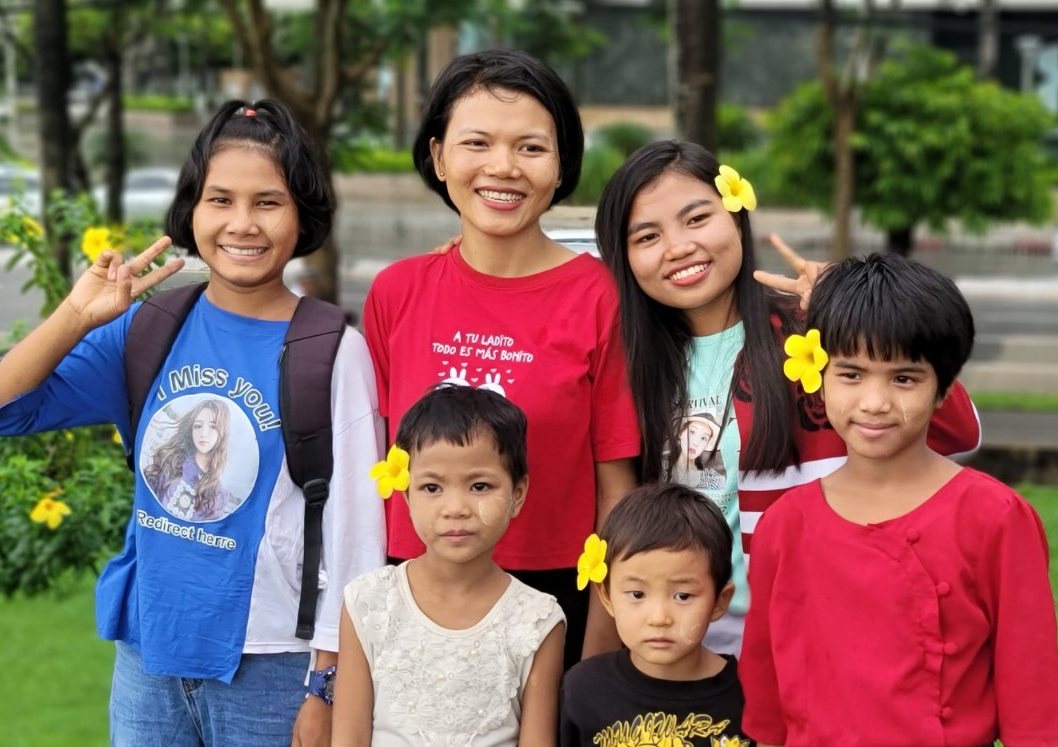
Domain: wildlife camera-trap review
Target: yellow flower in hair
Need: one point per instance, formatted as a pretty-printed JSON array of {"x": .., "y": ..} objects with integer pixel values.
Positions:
[
  {"x": 736, "y": 191},
  {"x": 49, "y": 511},
  {"x": 592, "y": 563},
  {"x": 392, "y": 474},
  {"x": 807, "y": 360}
]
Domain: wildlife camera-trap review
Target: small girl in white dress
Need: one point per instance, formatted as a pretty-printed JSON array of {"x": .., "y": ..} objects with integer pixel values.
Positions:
[{"x": 447, "y": 648}]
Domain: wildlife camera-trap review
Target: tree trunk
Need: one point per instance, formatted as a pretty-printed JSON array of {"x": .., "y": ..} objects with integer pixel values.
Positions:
[
  {"x": 844, "y": 178},
  {"x": 696, "y": 32},
  {"x": 900, "y": 240},
  {"x": 53, "y": 81},
  {"x": 987, "y": 39},
  {"x": 115, "y": 148},
  {"x": 314, "y": 107}
]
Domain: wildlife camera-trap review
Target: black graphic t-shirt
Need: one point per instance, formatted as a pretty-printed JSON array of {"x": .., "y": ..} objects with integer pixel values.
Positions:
[{"x": 606, "y": 701}]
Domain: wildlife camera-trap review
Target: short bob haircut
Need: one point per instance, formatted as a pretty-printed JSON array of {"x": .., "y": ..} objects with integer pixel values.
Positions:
[
  {"x": 457, "y": 415},
  {"x": 669, "y": 516},
  {"x": 498, "y": 70},
  {"x": 265, "y": 126},
  {"x": 888, "y": 307}
]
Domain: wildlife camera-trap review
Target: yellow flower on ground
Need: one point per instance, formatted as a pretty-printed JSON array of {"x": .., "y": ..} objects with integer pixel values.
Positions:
[
  {"x": 736, "y": 192},
  {"x": 592, "y": 563},
  {"x": 49, "y": 511},
  {"x": 807, "y": 360},
  {"x": 95, "y": 241},
  {"x": 392, "y": 474}
]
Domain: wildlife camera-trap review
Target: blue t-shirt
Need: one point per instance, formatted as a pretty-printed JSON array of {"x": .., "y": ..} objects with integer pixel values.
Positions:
[{"x": 208, "y": 451}]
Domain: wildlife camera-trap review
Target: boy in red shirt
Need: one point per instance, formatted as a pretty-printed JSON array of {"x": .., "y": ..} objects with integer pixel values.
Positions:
[{"x": 903, "y": 599}]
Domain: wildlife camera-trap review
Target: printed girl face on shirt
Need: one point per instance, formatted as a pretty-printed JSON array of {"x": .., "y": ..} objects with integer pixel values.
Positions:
[
  {"x": 698, "y": 437},
  {"x": 685, "y": 250},
  {"x": 204, "y": 431}
]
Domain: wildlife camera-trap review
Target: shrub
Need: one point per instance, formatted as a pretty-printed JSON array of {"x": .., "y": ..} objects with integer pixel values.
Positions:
[
  {"x": 156, "y": 102},
  {"x": 623, "y": 137},
  {"x": 361, "y": 158},
  {"x": 82, "y": 470},
  {"x": 65, "y": 496},
  {"x": 736, "y": 129},
  {"x": 600, "y": 163}
]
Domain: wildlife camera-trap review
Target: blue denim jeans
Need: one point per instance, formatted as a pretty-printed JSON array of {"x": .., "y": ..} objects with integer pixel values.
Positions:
[{"x": 257, "y": 709}]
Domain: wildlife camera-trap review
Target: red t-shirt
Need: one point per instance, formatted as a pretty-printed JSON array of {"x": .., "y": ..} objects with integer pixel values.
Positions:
[
  {"x": 954, "y": 431},
  {"x": 550, "y": 343},
  {"x": 935, "y": 627}
]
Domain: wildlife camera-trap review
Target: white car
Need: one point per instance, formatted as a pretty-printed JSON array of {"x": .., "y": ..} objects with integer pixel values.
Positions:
[
  {"x": 580, "y": 240},
  {"x": 20, "y": 185},
  {"x": 147, "y": 195}
]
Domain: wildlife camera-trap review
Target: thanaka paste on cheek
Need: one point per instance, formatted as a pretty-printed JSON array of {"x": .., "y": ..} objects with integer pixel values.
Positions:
[{"x": 688, "y": 637}]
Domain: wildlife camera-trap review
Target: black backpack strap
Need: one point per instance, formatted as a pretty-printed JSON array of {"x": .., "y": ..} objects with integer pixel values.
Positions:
[
  {"x": 305, "y": 372},
  {"x": 151, "y": 334}
]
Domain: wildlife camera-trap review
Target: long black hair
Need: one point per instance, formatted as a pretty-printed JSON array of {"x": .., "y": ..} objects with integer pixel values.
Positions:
[{"x": 658, "y": 338}]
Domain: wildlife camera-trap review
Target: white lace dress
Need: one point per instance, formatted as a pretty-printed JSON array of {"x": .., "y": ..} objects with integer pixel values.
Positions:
[{"x": 436, "y": 686}]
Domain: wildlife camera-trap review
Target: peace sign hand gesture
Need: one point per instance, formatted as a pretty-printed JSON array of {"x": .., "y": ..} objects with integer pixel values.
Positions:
[
  {"x": 110, "y": 285},
  {"x": 101, "y": 294},
  {"x": 808, "y": 272}
]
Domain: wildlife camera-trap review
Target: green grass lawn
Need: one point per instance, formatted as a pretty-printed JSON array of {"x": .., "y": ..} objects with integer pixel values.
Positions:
[
  {"x": 56, "y": 678},
  {"x": 57, "y": 672}
]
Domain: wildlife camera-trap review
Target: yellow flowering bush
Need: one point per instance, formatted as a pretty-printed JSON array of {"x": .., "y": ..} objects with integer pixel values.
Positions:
[
  {"x": 65, "y": 496},
  {"x": 64, "y": 506},
  {"x": 96, "y": 240},
  {"x": 50, "y": 510}
]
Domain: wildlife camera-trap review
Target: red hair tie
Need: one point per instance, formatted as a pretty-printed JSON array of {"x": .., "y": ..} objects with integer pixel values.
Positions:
[{"x": 250, "y": 112}]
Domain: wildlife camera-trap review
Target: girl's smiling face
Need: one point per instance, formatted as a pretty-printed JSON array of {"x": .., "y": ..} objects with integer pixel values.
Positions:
[
  {"x": 685, "y": 250},
  {"x": 499, "y": 159},
  {"x": 880, "y": 408},
  {"x": 245, "y": 222}
]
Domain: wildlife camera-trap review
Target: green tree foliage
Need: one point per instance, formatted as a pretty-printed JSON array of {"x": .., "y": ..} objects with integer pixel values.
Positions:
[{"x": 932, "y": 143}]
